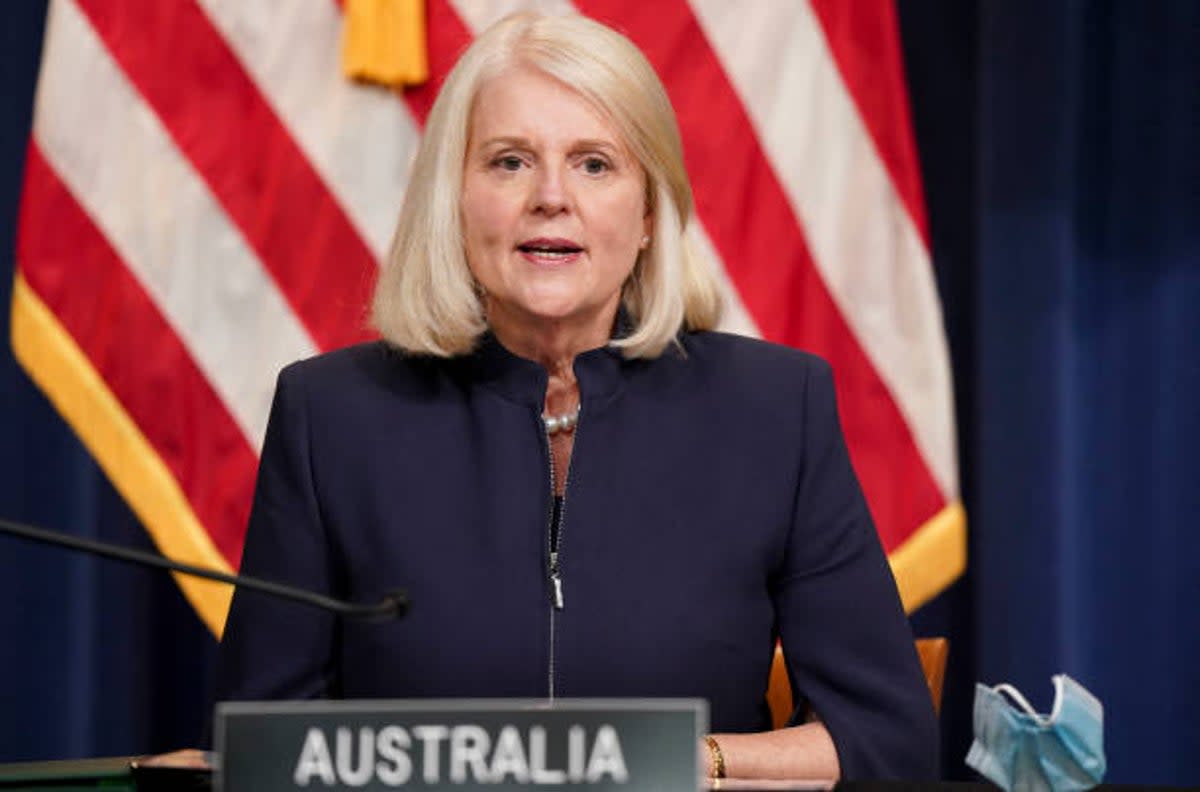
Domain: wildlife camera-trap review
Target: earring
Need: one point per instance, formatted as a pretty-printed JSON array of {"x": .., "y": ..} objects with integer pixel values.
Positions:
[{"x": 645, "y": 242}]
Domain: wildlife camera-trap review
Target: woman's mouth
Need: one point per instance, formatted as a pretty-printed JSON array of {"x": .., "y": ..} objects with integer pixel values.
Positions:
[{"x": 549, "y": 250}]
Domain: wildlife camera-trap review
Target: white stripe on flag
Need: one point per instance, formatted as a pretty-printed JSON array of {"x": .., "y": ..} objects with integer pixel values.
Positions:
[
  {"x": 479, "y": 14},
  {"x": 163, "y": 222},
  {"x": 870, "y": 255},
  {"x": 360, "y": 139},
  {"x": 735, "y": 319}
]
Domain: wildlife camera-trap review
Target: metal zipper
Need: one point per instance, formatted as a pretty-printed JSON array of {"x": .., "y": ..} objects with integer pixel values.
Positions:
[{"x": 554, "y": 572}]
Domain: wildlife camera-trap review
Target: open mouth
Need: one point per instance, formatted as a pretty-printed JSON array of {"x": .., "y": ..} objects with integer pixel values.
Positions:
[{"x": 550, "y": 248}]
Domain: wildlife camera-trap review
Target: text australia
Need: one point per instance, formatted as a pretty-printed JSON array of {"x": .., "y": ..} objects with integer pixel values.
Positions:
[{"x": 459, "y": 754}]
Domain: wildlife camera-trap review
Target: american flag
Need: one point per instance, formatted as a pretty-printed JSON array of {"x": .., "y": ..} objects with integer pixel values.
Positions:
[{"x": 207, "y": 198}]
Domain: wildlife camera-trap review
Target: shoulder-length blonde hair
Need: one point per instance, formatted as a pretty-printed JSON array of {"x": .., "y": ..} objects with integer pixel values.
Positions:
[{"x": 426, "y": 301}]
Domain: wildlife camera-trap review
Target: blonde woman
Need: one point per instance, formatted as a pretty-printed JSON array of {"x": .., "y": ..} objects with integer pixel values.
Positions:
[{"x": 585, "y": 490}]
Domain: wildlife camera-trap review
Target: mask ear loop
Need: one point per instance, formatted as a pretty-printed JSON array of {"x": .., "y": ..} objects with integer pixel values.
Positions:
[{"x": 1021, "y": 701}]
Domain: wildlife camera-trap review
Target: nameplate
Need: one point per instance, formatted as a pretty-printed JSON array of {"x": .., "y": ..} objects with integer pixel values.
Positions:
[{"x": 497, "y": 744}]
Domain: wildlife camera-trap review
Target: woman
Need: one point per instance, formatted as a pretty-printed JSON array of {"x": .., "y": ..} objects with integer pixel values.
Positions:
[{"x": 584, "y": 490}]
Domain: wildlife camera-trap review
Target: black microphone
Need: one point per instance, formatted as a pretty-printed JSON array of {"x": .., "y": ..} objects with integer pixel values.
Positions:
[{"x": 393, "y": 605}]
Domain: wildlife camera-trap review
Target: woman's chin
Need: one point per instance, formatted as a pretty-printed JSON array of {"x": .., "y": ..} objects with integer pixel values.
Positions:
[{"x": 558, "y": 309}]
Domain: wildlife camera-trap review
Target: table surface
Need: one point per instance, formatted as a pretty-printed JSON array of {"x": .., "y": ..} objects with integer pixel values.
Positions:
[{"x": 130, "y": 773}]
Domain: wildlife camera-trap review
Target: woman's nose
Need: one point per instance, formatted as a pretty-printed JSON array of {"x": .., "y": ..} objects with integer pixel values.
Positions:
[{"x": 549, "y": 195}]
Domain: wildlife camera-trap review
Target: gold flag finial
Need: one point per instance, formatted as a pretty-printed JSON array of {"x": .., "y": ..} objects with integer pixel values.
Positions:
[{"x": 384, "y": 42}]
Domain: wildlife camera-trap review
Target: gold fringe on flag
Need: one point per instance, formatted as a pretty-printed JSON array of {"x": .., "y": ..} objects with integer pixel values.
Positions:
[
  {"x": 932, "y": 557},
  {"x": 383, "y": 41},
  {"x": 65, "y": 374}
]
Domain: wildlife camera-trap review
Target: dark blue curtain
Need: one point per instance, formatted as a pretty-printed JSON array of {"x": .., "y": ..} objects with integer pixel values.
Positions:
[
  {"x": 1088, "y": 359},
  {"x": 1058, "y": 148}
]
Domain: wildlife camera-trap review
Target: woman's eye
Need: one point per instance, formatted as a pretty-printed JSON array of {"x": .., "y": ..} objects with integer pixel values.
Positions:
[
  {"x": 595, "y": 166},
  {"x": 508, "y": 162}
]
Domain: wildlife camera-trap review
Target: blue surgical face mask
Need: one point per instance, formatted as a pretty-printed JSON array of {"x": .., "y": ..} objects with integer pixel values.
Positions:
[{"x": 1016, "y": 748}]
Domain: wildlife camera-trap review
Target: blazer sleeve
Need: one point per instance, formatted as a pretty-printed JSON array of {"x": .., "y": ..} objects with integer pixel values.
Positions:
[
  {"x": 271, "y": 648},
  {"x": 847, "y": 641}
]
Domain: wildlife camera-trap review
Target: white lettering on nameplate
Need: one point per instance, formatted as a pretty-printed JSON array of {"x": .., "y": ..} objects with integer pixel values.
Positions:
[{"x": 470, "y": 757}]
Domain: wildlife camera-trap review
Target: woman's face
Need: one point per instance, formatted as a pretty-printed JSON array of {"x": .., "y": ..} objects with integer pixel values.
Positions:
[{"x": 553, "y": 205}]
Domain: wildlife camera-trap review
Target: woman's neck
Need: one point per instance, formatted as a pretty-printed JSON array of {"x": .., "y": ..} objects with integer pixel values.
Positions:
[
  {"x": 555, "y": 352},
  {"x": 553, "y": 344}
]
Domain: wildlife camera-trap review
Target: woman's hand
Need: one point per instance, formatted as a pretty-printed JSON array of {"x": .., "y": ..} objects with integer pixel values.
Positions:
[{"x": 798, "y": 752}]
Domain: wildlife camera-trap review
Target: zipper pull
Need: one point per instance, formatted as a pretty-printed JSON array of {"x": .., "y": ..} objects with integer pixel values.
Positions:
[{"x": 556, "y": 582}]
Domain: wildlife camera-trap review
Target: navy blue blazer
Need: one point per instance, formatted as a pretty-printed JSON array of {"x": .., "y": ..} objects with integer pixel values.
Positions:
[{"x": 710, "y": 509}]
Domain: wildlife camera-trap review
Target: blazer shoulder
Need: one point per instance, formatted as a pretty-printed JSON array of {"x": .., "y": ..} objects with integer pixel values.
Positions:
[
  {"x": 753, "y": 357},
  {"x": 369, "y": 360},
  {"x": 339, "y": 363},
  {"x": 372, "y": 367}
]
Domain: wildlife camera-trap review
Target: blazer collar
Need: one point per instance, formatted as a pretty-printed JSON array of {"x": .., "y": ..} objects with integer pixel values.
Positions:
[{"x": 598, "y": 371}]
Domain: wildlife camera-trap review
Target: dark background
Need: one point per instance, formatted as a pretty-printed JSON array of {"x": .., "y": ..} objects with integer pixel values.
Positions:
[{"x": 1059, "y": 149}]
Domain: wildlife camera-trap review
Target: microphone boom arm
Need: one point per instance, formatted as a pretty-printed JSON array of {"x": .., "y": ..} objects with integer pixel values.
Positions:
[{"x": 393, "y": 605}]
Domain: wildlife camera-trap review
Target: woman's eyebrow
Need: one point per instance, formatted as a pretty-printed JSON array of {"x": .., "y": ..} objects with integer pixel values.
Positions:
[
  {"x": 608, "y": 147},
  {"x": 514, "y": 141},
  {"x": 506, "y": 141}
]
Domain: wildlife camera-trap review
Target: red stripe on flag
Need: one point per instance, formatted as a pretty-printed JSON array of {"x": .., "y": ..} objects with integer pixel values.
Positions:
[
  {"x": 747, "y": 215},
  {"x": 76, "y": 273},
  {"x": 447, "y": 38},
  {"x": 217, "y": 117},
  {"x": 865, "y": 43}
]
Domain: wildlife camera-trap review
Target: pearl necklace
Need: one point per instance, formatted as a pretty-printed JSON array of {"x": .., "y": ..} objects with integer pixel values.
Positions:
[{"x": 560, "y": 423}]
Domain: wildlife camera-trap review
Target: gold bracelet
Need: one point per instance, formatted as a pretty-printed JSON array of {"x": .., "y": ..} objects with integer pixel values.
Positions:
[{"x": 718, "y": 758}]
